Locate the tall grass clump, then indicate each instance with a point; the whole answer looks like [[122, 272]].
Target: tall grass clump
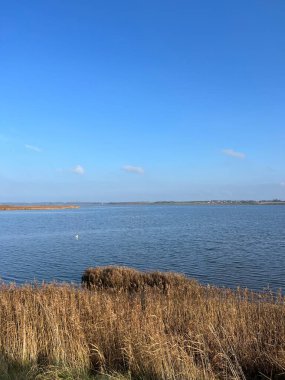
[[142, 326], [130, 280]]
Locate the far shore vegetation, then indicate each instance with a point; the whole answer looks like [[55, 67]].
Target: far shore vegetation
[[36, 207], [125, 324], [62, 206]]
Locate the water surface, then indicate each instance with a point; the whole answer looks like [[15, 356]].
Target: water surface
[[222, 245]]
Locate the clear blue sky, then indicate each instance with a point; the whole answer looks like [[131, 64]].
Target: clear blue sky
[[142, 100]]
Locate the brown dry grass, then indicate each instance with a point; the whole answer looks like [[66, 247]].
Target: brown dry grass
[[35, 207], [187, 332], [131, 280]]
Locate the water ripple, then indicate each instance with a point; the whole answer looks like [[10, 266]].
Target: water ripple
[[222, 245]]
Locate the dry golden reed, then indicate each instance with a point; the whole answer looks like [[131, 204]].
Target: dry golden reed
[[130, 280], [146, 326]]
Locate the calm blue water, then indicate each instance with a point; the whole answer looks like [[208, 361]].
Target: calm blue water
[[223, 245]]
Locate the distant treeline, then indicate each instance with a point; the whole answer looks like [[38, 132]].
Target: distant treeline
[[211, 202]]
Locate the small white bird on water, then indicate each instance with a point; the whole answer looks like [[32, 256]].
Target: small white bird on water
[[77, 237]]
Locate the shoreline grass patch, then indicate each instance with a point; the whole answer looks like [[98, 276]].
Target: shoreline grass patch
[[155, 329]]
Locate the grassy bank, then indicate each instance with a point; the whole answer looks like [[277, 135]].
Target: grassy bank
[[35, 207], [163, 327]]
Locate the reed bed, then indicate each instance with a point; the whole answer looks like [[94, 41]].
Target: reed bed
[[172, 328]]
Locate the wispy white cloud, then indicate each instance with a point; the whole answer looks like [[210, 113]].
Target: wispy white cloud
[[133, 169], [33, 148], [234, 153], [78, 169]]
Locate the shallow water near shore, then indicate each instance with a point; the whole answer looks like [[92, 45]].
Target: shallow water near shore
[[222, 245]]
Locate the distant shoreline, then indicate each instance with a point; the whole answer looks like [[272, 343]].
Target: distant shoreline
[[187, 203], [36, 207], [58, 206]]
